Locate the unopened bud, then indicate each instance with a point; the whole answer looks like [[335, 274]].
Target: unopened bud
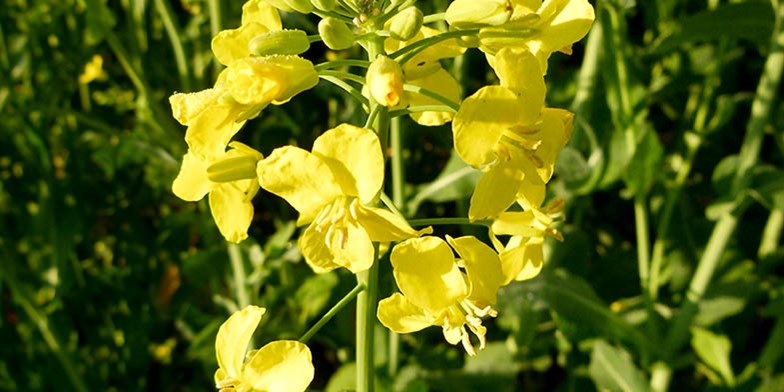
[[279, 42], [324, 5], [465, 14], [406, 24], [335, 34], [385, 81]]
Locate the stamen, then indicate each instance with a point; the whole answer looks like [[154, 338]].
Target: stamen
[[467, 343], [353, 208]]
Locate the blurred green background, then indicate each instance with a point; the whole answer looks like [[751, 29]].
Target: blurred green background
[[109, 282]]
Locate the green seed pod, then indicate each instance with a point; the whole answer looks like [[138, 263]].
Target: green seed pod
[[279, 42], [465, 14], [335, 34], [233, 168], [301, 6], [406, 24], [324, 5]]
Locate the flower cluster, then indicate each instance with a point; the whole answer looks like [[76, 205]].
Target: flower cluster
[[504, 130]]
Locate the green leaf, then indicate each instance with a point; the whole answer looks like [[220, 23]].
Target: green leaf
[[456, 181], [314, 294], [100, 20], [714, 350], [748, 20], [645, 164], [612, 368]]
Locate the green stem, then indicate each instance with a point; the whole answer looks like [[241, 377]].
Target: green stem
[[332, 312], [215, 28], [454, 106], [238, 274], [346, 87], [749, 154], [433, 18], [420, 109], [391, 205], [412, 50], [174, 37], [772, 233], [398, 170], [341, 63], [366, 317], [643, 244]]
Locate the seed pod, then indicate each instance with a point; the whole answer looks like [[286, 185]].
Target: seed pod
[[335, 34], [279, 42], [465, 14], [406, 24], [385, 81]]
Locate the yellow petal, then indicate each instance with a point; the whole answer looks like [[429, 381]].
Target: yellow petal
[[483, 268], [280, 366], [520, 223], [400, 315], [354, 156], [566, 22], [442, 83], [522, 259], [233, 338], [232, 210], [466, 14], [555, 132], [519, 71], [426, 273], [495, 191], [480, 122], [384, 226], [192, 183], [351, 246], [186, 107], [531, 193], [209, 133], [303, 179], [259, 11], [232, 45], [312, 244], [276, 79]]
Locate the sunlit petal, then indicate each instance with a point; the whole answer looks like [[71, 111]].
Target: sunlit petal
[[400, 315], [192, 183], [232, 210], [280, 366], [483, 268], [233, 338]]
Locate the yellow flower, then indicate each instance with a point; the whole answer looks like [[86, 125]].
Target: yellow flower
[[436, 292], [522, 258], [93, 70], [424, 70], [279, 366], [331, 188], [229, 179], [258, 17], [506, 131]]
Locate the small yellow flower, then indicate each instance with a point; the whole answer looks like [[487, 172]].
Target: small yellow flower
[[331, 188], [258, 17], [229, 179], [522, 257], [93, 70], [279, 366], [436, 292]]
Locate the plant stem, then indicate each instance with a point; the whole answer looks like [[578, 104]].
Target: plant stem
[[215, 28], [643, 242], [238, 274], [749, 154], [448, 221], [332, 312], [174, 37], [366, 317], [772, 233]]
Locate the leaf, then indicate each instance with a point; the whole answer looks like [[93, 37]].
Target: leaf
[[313, 295], [713, 310], [645, 164], [714, 350], [456, 181], [612, 368], [748, 20], [100, 20]]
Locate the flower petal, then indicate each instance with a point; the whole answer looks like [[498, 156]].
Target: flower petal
[[567, 21], [355, 158], [400, 315], [209, 133], [483, 268], [303, 179], [555, 131], [232, 45], [426, 273], [516, 223], [313, 246], [519, 71], [351, 246], [188, 106], [481, 120], [384, 226], [232, 210], [442, 83], [495, 191], [280, 366], [522, 259], [192, 183], [261, 12], [233, 338]]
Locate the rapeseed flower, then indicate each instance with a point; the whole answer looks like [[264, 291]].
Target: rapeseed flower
[[333, 187], [279, 366], [436, 292]]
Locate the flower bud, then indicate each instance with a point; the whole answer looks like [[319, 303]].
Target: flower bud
[[465, 14], [335, 34], [324, 5], [279, 42], [385, 81], [406, 24]]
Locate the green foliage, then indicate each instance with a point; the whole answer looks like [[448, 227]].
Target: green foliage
[[109, 282]]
